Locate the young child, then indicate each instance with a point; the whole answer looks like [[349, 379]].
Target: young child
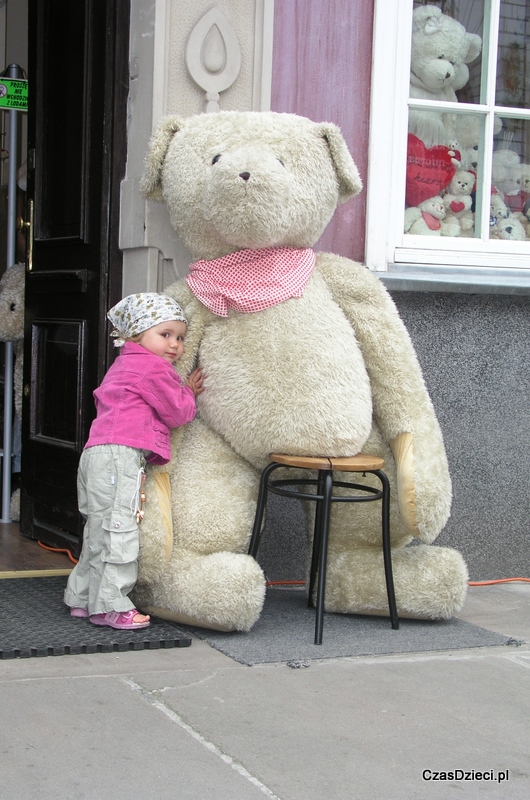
[[140, 399]]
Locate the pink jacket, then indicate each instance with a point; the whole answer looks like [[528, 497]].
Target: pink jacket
[[140, 398]]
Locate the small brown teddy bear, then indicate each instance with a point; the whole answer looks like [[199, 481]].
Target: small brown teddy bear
[[12, 330], [12, 321]]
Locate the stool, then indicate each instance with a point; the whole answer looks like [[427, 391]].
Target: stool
[[324, 496]]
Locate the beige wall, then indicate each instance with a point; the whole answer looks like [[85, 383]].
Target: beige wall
[[169, 43]]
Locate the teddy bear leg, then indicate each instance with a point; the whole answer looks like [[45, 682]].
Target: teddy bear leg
[[208, 579], [430, 582]]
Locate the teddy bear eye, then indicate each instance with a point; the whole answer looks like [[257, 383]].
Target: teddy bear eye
[[281, 162], [216, 158], [12, 306]]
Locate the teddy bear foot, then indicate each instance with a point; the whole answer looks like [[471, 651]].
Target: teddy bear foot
[[430, 582], [221, 591]]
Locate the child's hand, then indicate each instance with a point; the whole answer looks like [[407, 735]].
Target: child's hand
[[195, 381]]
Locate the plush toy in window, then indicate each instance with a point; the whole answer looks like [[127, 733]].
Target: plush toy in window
[[510, 229], [524, 218], [429, 219], [304, 353], [457, 201], [506, 174], [518, 195], [498, 208], [441, 51]]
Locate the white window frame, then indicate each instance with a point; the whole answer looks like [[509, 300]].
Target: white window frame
[[388, 249]]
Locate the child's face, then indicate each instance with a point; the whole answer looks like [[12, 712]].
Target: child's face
[[165, 340]]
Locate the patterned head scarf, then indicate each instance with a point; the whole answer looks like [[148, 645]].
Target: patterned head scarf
[[137, 313]]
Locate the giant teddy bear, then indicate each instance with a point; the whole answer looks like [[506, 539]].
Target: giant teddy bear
[[303, 354]]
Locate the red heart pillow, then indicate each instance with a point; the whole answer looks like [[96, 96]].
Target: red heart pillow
[[456, 206], [429, 170]]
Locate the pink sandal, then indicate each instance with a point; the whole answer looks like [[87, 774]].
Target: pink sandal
[[81, 613], [121, 620]]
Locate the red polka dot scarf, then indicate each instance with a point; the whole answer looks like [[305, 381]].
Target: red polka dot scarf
[[251, 280]]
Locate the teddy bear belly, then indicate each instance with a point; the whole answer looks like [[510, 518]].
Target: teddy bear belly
[[288, 379]]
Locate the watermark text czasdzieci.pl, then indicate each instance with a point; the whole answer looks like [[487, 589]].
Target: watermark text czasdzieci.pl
[[496, 776]]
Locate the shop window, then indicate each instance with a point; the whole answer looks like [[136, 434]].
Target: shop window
[[449, 177]]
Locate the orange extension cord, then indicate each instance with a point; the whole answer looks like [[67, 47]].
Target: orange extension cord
[[500, 580], [297, 583], [469, 583], [58, 550]]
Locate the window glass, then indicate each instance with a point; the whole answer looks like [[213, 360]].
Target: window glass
[[511, 147], [468, 147]]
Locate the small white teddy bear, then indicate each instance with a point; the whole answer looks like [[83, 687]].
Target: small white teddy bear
[[428, 219], [498, 208], [510, 228], [457, 201], [506, 171]]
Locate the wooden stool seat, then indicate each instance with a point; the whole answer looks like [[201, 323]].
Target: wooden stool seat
[[360, 463], [323, 497]]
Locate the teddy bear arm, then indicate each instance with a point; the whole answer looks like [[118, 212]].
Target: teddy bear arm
[[412, 215], [197, 316], [389, 356], [401, 405]]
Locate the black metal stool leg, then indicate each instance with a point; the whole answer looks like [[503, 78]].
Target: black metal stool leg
[[316, 538], [260, 509], [387, 554], [323, 554]]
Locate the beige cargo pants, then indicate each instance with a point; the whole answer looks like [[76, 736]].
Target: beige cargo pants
[[108, 481]]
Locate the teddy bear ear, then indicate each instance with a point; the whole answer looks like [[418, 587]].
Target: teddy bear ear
[[350, 182], [474, 43], [151, 181], [426, 18]]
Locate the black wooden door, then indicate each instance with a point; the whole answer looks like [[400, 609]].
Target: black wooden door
[[76, 155]]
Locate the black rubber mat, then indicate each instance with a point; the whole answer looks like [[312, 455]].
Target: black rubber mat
[[35, 622]]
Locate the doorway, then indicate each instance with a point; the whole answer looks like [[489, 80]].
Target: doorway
[[76, 154]]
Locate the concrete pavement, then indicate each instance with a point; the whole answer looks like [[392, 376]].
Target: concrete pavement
[[191, 723]]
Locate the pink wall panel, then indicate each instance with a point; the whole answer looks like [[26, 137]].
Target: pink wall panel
[[321, 70]]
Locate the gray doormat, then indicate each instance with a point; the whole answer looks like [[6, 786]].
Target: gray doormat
[[35, 622], [286, 631]]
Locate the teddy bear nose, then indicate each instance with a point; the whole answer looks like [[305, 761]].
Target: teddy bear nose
[[244, 175]]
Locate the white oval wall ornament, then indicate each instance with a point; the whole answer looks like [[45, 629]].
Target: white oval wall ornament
[[213, 56]]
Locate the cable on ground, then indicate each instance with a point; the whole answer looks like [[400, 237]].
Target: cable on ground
[[58, 550]]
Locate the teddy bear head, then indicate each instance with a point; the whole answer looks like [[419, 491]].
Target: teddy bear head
[[524, 183], [498, 208], [12, 304], [234, 180], [506, 171], [462, 183], [509, 228], [434, 206], [441, 50]]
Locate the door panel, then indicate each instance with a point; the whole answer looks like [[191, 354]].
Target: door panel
[[57, 352], [76, 159]]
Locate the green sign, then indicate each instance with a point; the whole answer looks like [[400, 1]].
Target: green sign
[[13, 94]]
